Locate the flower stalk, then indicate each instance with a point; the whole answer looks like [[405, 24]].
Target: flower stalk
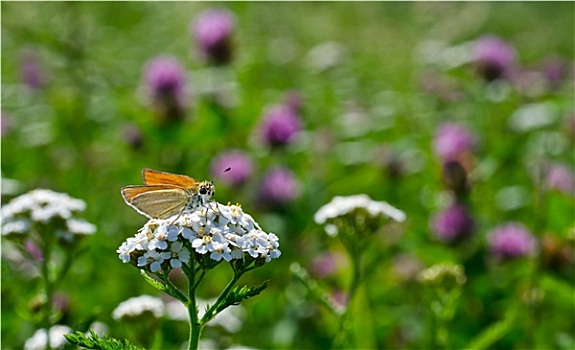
[[353, 220]]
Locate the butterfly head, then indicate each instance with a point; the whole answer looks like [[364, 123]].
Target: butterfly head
[[206, 189]]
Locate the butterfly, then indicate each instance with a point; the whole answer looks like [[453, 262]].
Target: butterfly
[[164, 195]]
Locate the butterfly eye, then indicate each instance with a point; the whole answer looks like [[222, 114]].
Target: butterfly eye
[[203, 190]]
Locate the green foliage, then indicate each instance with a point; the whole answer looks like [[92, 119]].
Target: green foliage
[[94, 341], [158, 285], [238, 294], [488, 337]]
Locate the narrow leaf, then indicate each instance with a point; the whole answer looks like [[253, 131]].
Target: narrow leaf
[[156, 284], [493, 333]]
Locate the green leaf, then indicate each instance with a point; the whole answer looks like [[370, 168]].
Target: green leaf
[[93, 341], [493, 333], [158, 285], [237, 295], [561, 292]]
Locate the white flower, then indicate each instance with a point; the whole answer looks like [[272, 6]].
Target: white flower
[[159, 240], [126, 248], [44, 206], [256, 243], [39, 340], [224, 232], [186, 233], [211, 239], [154, 259], [80, 227], [173, 232], [273, 251], [341, 206], [178, 255], [17, 226], [136, 306], [221, 250]]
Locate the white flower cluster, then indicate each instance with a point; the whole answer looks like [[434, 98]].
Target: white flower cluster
[[341, 206], [136, 306], [43, 206], [222, 231], [39, 341]]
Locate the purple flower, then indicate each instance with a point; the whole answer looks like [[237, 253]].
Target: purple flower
[[453, 140], [166, 82], [279, 187], [280, 125], [212, 30], [453, 224], [240, 163], [30, 70], [323, 265], [511, 240], [560, 177], [493, 57]]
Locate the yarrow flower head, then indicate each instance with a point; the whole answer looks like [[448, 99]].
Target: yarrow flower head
[[212, 30], [45, 207], [511, 240], [166, 84], [452, 224], [241, 167], [139, 306], [208, 234], [352, 206], [494, 58]]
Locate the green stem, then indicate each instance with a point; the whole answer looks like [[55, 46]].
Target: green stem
[[195, 325], [177, 293], [49, 288], [344, 320]]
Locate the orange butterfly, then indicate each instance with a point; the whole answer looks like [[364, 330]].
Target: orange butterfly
[[164, 195]]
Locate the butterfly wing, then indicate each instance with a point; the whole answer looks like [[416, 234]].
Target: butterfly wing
[[155, 177], [156, 201]]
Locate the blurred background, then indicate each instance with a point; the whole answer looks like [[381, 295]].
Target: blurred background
[[428, 106]]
